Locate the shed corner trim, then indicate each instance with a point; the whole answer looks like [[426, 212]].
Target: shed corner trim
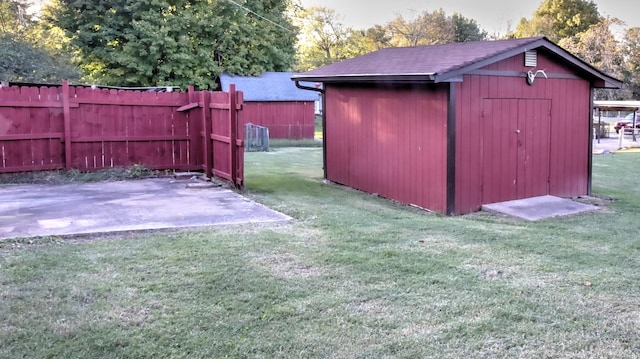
[[451, 150]]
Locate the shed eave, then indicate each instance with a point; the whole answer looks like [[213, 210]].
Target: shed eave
[[609, 83], [372, 78], [617, 105]]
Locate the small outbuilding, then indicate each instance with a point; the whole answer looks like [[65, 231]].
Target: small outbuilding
[[452, 127], [273, 101]]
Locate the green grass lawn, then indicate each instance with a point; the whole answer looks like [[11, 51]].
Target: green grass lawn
[[353, 276]]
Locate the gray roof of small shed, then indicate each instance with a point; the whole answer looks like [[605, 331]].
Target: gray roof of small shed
[[270, 86], [443, 63]]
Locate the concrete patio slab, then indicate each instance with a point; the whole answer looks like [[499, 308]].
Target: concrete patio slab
[[159, 203], [537, 208]]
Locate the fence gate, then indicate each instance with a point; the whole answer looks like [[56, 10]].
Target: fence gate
[[223, 151]]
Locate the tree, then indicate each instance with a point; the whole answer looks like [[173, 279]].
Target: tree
[[466, 29], [599, 47], [428, 28], [631, 53], [23, 62], [378, 37], [558, 19], [13, 16], [176, 42], [30, 52], [323, 38]]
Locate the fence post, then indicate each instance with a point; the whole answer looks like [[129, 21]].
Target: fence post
[[233, 133], [620, 137], [206, 133], [66, 111], [200, 97]]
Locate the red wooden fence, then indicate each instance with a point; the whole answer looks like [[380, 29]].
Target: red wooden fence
[[43, 128]]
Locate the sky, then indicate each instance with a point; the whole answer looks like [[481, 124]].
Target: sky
[[493, 16]]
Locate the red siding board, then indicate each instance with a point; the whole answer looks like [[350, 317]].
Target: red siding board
[[569, 139], [390, 141]]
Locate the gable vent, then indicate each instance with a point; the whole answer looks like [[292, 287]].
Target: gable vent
[[530, 58]]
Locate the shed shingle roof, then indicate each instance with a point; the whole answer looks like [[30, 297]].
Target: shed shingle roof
[[439, 63], [270, 86]]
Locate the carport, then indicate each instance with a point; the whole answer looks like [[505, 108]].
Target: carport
[[627, 106]]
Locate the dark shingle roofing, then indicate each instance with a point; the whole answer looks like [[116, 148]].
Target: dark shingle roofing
[[439, 63], [270, 86]]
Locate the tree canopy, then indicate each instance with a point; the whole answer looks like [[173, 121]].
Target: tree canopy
[[427, 28], [465, 29], [578, 27], [13, 16], [181, 42], [599, 47], [631, 54], [176, 42], [558, 19], [324, 39], [30, 52], [23, 61]]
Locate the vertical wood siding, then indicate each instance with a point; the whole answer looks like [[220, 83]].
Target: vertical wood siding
[[285, 119], [515, 149], [567, 149], [390, 141]]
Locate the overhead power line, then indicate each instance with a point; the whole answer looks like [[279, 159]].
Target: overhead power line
[[260, 16]]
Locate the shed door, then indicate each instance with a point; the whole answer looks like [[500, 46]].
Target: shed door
[[515, 149]]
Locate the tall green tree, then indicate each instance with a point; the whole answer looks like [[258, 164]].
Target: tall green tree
[[599, 47], [631, 53], [31, 52], [176, 42], [14, 17], [379, 37], [466, 29], [430, 28], [324, 39], [558, 19], [23, 61]]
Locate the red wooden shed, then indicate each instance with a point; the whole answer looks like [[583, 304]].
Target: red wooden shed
[[452, 127], [273, 101]]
